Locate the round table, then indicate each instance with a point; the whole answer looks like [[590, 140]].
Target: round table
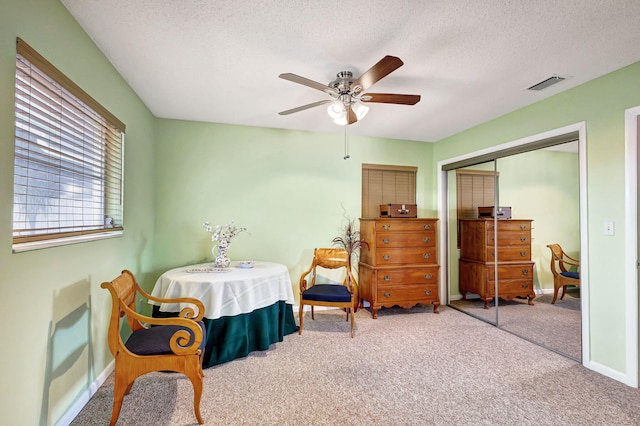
[[246, 309]]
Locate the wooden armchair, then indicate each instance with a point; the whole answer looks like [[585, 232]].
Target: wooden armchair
[[156, 344], [561, 262], [336, 295]]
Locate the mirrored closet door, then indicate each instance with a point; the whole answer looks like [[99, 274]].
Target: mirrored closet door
[[501, 257], [470, 188]]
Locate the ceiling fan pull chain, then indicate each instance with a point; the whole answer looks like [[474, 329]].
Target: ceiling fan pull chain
[[346, 142]]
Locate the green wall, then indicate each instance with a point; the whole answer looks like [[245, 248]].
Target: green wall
[[292, 190], [601, 103], [544, 186], [53, 349]]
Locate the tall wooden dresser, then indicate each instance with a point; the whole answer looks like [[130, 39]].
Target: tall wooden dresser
[[477, 259], [400, 266]]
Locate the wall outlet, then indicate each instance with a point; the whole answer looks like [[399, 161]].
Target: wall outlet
[[609, 228]]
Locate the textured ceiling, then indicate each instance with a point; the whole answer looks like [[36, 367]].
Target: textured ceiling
[[219, 60]]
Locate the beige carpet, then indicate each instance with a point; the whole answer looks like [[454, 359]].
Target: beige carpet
[[404, 368]]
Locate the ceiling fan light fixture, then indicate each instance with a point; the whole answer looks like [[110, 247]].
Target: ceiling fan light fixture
[[360, 110], [336, 110]]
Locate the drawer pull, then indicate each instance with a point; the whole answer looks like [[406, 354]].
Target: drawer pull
[[525, 285], [427, 226], [386, 227], [525, 272], [386, 257], [387, 278], [426, 240], [427, 292], [523, 239], [386, 241], [387, 294], [428, 276], [523, 227], [426, 255], [523, 253]]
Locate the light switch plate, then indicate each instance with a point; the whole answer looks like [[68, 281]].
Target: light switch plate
[[609, 227]]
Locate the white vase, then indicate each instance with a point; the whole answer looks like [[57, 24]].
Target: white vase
[[221, 259]]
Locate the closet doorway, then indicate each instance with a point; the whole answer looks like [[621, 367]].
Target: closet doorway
[[537, 183]]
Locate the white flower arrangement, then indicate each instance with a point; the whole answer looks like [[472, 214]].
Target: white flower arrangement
[[223, 234]]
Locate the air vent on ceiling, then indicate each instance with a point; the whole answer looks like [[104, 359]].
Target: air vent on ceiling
[[546, 83]]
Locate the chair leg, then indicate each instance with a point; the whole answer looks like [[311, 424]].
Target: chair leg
[[312, 315], [201, 358], [196, 382], [555, 294], [352, 315], [300, 318], [564, 291], [120, 389]]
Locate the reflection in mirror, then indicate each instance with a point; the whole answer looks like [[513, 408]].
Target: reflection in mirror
[[470, 188], [541, 187]]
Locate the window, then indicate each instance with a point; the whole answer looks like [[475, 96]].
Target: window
[[68, 159], [474, 188], [383, 184]]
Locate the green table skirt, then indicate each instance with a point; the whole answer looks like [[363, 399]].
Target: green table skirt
[[234, 337]]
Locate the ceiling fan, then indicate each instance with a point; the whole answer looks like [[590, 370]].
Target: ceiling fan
[[347, 93]]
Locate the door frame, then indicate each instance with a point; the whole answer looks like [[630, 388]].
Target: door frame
[[632, 241], [443, 214]]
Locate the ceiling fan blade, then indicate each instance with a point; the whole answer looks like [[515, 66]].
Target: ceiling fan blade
[[390, 98], [351, 116], [309, 83], [384, 67], [303, 107]]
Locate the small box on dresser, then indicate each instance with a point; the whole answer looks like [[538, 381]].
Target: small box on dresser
[[399, 210], [400, 265]]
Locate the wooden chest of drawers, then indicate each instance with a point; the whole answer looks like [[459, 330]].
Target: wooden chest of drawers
[[478, 256], [400, 266]]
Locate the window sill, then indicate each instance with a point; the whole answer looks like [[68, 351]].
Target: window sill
[[37, 245]]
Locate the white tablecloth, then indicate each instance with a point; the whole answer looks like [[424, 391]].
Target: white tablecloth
[[240, 291]]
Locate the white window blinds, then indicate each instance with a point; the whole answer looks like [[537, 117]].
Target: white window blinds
[[68, 156]]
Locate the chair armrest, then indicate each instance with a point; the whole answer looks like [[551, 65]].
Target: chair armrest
[[180, 338], [303, 285], [303, 280], [571, 258], [563, 263], [185, 312], [351, 283]]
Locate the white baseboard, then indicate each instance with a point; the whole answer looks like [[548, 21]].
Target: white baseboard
[[84, 397], [609, 372]]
